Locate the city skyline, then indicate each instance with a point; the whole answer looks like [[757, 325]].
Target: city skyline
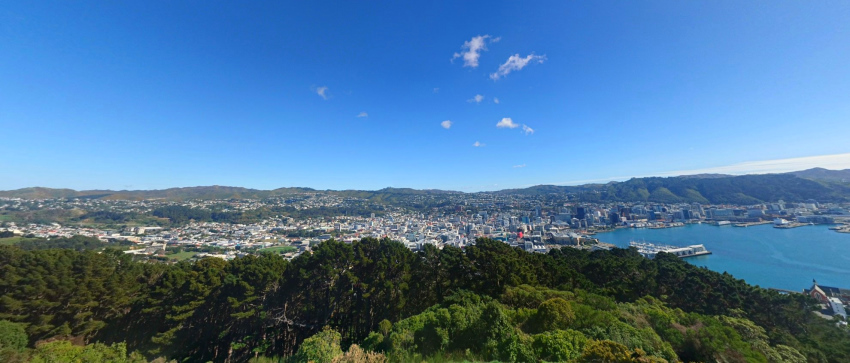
[[466, 97]]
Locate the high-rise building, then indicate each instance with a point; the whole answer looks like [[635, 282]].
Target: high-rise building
[[581, 212]]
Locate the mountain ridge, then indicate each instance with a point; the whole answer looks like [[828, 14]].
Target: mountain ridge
[[816, 183]]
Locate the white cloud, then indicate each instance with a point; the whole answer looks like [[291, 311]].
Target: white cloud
[[515, 63], [496, 100], [478, 144], [472, 49], [519, 166], [446, 124], [507, 122], [510, 124], [363, 114], [476, 99], [322, 91]]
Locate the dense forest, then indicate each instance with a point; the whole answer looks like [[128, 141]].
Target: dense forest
[[375, 300], [79, 243]]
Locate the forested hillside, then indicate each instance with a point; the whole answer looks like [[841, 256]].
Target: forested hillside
[[741, 190], [379, 301]]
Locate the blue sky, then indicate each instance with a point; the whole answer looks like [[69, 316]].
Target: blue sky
[[353, 95]]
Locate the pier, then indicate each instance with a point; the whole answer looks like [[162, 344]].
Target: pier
[[748, 224]]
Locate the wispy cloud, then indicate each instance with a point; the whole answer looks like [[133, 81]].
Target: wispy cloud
[[436, 89], [476, 99], [527, 130], [447, 124], [478, 144], [519, 166], [323, 92], [515, 63], [833, 161], [507, 123], [496, 100], [471, 50], [363, 114]]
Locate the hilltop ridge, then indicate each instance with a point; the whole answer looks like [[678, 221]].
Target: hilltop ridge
[[817, 183]]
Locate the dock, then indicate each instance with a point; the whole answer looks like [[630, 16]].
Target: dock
[[844, 228]]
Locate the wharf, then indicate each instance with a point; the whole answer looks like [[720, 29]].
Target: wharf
[[667, 225], [649, 250], [748, 224], [844, 228]]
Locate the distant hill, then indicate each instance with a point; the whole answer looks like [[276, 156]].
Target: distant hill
[[819, 184], [841, 176], [40, 193], [745, 189], [206, 192], [210, 192], [705, 176]]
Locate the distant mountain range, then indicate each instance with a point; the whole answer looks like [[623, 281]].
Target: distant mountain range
[[209, 192], [818, 184]]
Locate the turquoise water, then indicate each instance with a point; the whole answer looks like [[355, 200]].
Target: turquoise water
[[761, 255]]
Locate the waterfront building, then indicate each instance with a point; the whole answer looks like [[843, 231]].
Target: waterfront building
[[833, 297], [780, 222], [823, 293], [755, 213]]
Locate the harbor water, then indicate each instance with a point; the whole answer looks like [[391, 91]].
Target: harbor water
[[761, 255]]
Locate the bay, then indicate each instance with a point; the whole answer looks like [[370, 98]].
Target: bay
[[761, 255]]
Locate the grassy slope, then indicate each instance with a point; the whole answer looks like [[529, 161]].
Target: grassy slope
[[280, 249], [14, 240], [180, 256]]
